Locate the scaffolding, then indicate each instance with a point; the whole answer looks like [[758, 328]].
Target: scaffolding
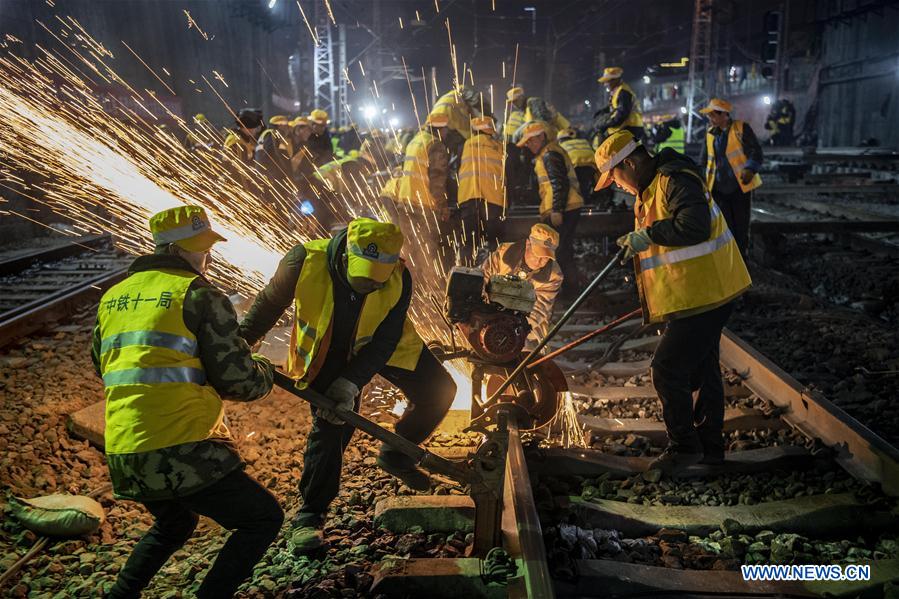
[[330, 77], [701, 81]]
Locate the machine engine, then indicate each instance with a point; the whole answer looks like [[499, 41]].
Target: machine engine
[[491, 316]]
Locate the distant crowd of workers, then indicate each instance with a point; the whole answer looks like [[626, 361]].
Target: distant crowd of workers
[[169, 347]]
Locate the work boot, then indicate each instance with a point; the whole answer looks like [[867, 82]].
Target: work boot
[[673, 461], [305, 533], [712, 458], [402, 467]]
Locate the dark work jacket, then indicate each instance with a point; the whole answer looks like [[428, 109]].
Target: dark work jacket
[[690, 222], [278, 295], [557, 171]]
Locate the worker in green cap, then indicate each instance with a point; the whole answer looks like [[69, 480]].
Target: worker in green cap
[[350, 297], [167, 348]]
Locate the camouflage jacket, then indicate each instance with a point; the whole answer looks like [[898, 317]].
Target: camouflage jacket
[[231, 369]]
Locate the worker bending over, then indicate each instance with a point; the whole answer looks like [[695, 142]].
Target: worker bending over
[[532, 259], [733, 157], [688, 271], [350, 296], [557, 184], [166, 345], [481, 195]]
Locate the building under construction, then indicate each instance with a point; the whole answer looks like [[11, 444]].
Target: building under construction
[[449, 298]]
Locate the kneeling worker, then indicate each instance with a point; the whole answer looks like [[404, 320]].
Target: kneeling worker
[[533, 259], [688, 272], [350, 295], [166, 345]]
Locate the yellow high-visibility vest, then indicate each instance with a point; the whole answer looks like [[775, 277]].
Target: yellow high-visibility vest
[[153, 379], [454, 107], [675, 141], [414, 182], [481, 170], [635, 118], [735, 156], [680, 279], [545, 188], [514, 120], [314, 312], [331, 174], [579, 151]]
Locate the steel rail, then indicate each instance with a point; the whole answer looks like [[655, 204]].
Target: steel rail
[[17, 264], [55, 306], [521, 525], [860, 451]]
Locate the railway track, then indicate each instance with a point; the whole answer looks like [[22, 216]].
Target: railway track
[[42, 287], [598, 509]]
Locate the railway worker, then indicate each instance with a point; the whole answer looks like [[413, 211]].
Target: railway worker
[[275, 149], [557, 184], [319, 144], [517, 172], [733, 157], [623, 111], [532, 259], [481, 198], [240, 149], [688, 272], [581, 153], [350, 295], [166, 345]]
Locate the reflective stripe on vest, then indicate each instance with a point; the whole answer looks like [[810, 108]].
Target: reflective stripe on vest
[[635, 118], [513, 122], [735, 157], [481, 170], [579, 151], [675, 141], [314, 311], [544, 187], [682, 279], [414, 181], [154, 382]]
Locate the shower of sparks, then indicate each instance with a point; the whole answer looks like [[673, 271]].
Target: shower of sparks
[[171, 91], [108, 160], [192, 23], [330, 12], [308, 26]]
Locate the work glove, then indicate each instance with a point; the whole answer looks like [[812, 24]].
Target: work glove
[[555, 219], [342, 392], [635, 242], [746, 176]]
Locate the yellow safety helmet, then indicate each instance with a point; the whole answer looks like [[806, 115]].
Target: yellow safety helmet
[[373, 249], [544, 240], [319, 116], [185, 226], [616, 147], [610, 73], [566, 133], [300, 121], [483, 123], [532, 129], [514, 93], [437, 119], [279, 119], [717, 104]]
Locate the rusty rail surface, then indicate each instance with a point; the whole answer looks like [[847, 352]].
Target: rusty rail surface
[[521, 526], [863, 453]]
